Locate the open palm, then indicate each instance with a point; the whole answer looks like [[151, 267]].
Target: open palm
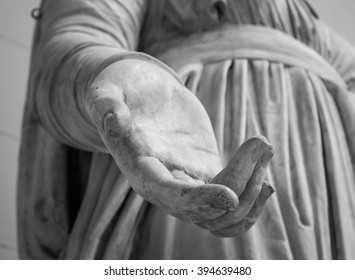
[[162, 140]]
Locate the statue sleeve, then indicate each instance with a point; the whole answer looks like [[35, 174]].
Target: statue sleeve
[[74, 40]]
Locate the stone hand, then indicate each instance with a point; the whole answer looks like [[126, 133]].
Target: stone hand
[[245, 175], [161, 139]]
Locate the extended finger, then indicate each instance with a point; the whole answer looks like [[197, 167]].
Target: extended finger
[[254, 185], [186, 200], [237, 173], [247, 198], [205, 202], [245, 224], [108, 109]]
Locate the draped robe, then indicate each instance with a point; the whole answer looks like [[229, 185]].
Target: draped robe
[[271, 68]]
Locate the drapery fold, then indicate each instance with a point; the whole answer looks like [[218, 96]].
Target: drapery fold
[[309, 120]]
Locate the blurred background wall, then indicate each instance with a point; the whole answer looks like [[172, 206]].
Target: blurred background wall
[[16, 27]]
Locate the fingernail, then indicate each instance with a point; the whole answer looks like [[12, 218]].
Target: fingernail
[[222, 202], [258, 151], [269, 190], [266, 157], [116, 125], [111, 124]]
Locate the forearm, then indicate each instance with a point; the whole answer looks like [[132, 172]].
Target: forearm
[[75, 43], [60, 95]]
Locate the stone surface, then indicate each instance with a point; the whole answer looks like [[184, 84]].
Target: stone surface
[[169, 141]]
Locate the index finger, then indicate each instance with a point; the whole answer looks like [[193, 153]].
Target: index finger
[[188, 201], [241, 167]]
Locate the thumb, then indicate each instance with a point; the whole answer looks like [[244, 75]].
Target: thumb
[[108, 110]]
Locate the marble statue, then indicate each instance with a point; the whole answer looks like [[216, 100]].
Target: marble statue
[[147, 131]]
